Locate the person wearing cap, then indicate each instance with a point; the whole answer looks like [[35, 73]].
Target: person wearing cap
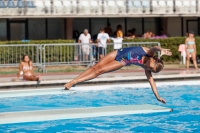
[[191, 49], [85, 39]]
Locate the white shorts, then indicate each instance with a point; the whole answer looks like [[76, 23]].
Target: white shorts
[[86, 50]]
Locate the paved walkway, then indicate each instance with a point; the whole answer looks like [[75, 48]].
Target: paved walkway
[[118, 73], [50, 79]]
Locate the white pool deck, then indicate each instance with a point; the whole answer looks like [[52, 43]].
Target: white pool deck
[[73, 113], [118, 76]]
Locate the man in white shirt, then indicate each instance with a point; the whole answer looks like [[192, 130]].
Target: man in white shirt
[[102, 40], [85, 39]]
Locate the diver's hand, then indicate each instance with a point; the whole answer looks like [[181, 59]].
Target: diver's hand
[[165, 52], [161, 100]]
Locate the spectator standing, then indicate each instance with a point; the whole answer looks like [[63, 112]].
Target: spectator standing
[[85, 39], [76, 35], [117, 43], [191, 50], [119, 32], [108, 29], [119, 37], [102, 40]]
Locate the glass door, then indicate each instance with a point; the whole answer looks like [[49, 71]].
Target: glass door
[[192, 25], [17, 31]]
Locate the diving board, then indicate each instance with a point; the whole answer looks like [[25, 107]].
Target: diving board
[[33, 92], [73, 113]]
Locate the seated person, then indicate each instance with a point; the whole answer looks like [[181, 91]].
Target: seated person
[[26, 69], [130, 35], [147, 34], [152, 34]]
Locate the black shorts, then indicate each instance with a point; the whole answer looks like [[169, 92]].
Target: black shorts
[[101, 51]]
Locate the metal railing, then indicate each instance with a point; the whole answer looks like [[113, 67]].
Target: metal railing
[[65, 54], [11, 55], [73, 54]]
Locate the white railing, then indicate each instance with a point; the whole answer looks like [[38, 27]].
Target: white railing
[[98, 7]]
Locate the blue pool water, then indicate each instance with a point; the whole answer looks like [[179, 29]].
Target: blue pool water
[[185, 100]]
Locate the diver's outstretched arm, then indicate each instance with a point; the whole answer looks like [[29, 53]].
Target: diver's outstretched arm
[[153, 86], [158, 48]]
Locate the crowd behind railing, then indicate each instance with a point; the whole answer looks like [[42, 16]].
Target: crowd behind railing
[[106, 35]]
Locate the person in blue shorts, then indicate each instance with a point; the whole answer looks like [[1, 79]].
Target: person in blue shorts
[[140, 56]]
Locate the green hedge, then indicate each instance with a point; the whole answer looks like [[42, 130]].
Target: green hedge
[[37, 42], [68, 52]]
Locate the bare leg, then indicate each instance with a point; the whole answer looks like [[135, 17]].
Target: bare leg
[[96, 71], [187, 59], [83, 57], [32, 78], [86, 57], [108, 58], [106, 64], [101, 56], [194, 60]]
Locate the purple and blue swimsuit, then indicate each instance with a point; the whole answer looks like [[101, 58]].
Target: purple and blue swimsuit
[[131, 55]]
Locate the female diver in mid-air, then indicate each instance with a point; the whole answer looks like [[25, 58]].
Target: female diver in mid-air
[[140, 56]]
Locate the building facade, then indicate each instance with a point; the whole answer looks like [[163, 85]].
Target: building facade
[[57, 19]]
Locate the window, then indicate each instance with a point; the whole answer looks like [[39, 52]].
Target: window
[[135, 23], [55, 28], [3, 31], [37, 29]]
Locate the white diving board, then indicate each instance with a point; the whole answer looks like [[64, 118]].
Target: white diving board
[[73, 113]]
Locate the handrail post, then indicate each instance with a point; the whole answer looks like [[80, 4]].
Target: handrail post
[[44, 59]]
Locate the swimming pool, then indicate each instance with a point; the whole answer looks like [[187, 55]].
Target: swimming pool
[[184, 99]]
